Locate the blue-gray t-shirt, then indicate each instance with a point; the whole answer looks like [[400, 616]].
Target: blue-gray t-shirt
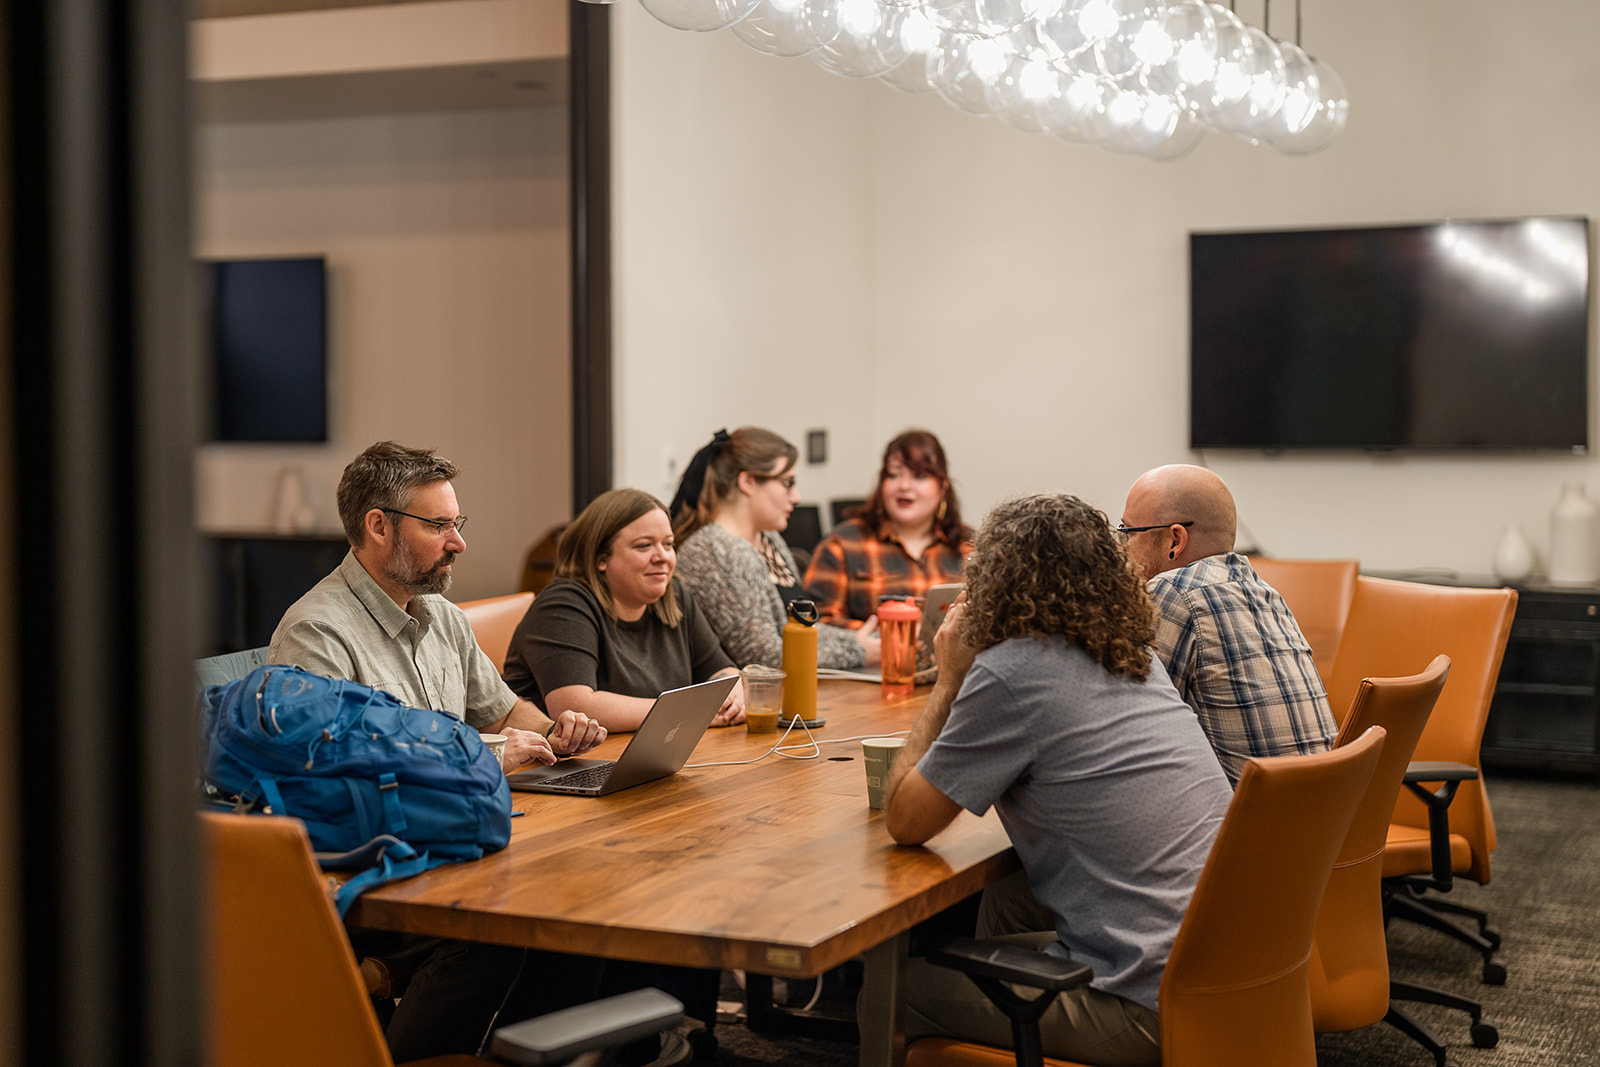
[[1107, 787]]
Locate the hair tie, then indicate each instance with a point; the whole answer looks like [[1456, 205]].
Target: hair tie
[[687, 498]]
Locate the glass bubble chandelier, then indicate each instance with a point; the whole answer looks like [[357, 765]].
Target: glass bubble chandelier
[[1141, 77]]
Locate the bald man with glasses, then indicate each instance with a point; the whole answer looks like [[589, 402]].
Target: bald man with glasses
[[1228, 640]]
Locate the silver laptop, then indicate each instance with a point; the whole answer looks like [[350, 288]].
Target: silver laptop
[[661, 746]]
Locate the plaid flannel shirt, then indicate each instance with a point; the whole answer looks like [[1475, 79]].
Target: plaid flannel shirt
[[851, 569], [1238, 658]]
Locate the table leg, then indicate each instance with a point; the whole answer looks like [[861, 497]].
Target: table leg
[[882, 1009]]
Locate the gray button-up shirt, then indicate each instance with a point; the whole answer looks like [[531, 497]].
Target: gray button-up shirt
[[348, 627]]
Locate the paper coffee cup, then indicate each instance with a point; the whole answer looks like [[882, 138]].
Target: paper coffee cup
[[496, 744], [879, 754]]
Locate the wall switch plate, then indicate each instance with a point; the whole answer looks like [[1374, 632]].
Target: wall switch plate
[[816, 446]]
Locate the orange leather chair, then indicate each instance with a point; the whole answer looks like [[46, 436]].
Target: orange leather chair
[[494, 620], [1350, 987], [1394, 628], [281, 981], [1235, 992], [1319, 592]]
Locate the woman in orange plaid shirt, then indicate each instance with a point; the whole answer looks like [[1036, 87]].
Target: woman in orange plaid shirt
[[907, 538]]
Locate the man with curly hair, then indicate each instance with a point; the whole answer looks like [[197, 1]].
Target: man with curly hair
[[1050, 708], [1228, 640]]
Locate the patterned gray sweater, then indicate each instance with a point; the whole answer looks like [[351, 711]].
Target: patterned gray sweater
[[734, 591]]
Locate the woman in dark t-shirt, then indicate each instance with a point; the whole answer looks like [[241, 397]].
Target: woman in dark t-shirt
[[615, 628]]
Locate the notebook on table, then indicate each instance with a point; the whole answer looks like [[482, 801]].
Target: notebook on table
[[659, 747]]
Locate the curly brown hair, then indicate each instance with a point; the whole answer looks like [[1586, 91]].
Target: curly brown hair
[[1051, 564]]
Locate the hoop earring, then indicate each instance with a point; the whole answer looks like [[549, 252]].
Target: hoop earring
[[944, 506]]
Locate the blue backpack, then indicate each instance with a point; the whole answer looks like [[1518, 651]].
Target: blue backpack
[[381, 785]]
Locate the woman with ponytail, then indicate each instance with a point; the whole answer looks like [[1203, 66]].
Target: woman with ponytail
[[735, 497]]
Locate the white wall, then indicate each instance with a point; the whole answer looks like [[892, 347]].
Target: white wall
[[742, 193], [446, 240], [1027, 299]]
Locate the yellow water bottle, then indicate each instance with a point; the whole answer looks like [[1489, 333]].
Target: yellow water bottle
[[800, 663]]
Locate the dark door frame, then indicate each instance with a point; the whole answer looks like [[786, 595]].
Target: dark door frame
[[589, 64], [102, 415]]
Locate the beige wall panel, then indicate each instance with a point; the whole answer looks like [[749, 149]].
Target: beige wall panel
[[446, 241]]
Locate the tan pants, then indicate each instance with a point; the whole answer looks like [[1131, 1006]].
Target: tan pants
[[1084, 1024]]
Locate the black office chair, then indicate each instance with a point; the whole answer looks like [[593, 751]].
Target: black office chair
[[804, 529], [839, 510]]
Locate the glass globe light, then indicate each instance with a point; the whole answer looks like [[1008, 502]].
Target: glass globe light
[[1300, 95], [982, 18], [788, 27], [868, 42], [1185, 135], [1140, 41], [1268, 84], [1230, 78], [1072, 26], [1328, 118], [1028, 81], [1066, 115], [1191, 63], [700, 15], [920, 39], [1158, 118], [963, 70]]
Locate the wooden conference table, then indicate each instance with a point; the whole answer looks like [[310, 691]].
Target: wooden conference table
[[776, 867]]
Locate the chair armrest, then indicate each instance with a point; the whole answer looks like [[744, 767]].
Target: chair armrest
[[561, 1035], [1450, 775], [1010, 963], [1439, 771]]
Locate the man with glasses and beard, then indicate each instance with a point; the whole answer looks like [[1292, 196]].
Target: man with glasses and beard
[[1226, 637], [381, 619]]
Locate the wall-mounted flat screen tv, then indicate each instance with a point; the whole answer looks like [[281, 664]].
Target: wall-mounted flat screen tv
[[268, 340], [1449, 336]]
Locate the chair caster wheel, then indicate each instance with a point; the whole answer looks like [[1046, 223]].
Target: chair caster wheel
[[1484, 1035], [1494, 971], [1490, 933]]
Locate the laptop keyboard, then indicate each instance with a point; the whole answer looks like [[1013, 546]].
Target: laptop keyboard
[[584, 779]]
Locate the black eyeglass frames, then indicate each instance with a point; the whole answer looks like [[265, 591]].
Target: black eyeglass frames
[[440, 526], [1123, 531]]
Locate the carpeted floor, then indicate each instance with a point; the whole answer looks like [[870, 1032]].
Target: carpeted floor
[[1545, 898]]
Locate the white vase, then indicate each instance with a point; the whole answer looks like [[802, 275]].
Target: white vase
[[1513, 556], [1573, 556], [291, 501]]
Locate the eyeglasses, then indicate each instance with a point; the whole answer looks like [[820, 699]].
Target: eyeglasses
[[786, 480], [440, 526], [1123, 531]]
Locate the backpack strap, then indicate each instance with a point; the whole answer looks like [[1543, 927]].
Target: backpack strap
[[269, 793], [394, 816], [386, 870]]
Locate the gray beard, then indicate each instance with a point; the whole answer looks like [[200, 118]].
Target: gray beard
[[408, 574]]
